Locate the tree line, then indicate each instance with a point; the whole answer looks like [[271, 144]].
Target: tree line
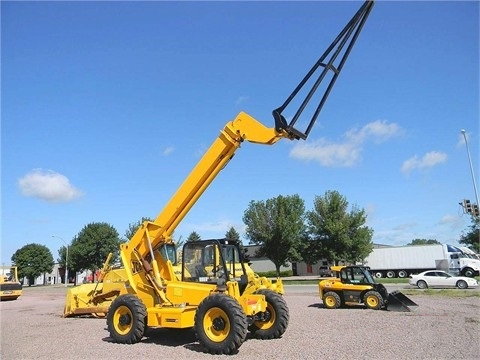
[[281, 226]]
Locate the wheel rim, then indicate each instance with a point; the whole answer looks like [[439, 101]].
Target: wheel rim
[[122, 320], [330, 301], [422, 285], [270, 319], [372, 301], [216, 324], [462, 285]]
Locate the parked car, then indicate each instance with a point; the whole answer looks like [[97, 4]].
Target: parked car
[[441, 279], [324, 271]]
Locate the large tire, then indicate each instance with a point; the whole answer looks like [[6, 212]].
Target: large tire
[[331, 300], [468, 272], [220, 324], [373, 300], [126, 319], [274, 320], [402, 274]]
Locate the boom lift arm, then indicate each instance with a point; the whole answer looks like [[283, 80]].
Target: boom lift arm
[[245, 128]]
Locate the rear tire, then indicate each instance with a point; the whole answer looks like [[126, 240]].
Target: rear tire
[[462, 284], [220, 324], [378, 274], [422, 284], [402, 274], [275, 319], [390, 274], [126, 319], [373, 300], [331, 300]]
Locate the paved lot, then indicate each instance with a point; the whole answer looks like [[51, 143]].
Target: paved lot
[[442, 328]]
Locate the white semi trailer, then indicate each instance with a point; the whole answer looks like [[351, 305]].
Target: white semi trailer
[[401, 261]]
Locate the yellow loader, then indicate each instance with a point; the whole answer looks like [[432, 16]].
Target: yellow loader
[[10, 287]]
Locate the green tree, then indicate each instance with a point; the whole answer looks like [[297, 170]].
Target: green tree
[[133, 227], [32, 261], [91, 246], [471, 238], [334, 232], [424, 242], [276, 225], [194, 236], [232, 234]]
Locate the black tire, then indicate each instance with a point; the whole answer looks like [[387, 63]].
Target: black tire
[[126, 319], [331, 300], [422, 284], [390, 274], [220, 324], [274, 320], [373, 300], [402, 274], [378, 274], [468, 272], [462, 284]]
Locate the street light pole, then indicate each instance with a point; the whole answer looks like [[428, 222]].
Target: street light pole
[[66, 259], [471, 166]]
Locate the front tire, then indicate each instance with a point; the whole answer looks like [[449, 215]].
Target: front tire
[[220, 324], [274, 320], [468, 272], [461, 284], [126, 319], [373, 300], [331, 300], [422, 284]]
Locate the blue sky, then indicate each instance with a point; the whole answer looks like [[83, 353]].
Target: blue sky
[[107, 106]]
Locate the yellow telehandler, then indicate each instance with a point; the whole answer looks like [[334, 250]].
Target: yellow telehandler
[[355, 285], [212, 295]]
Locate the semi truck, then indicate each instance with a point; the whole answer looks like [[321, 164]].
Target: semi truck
[[402, 261]]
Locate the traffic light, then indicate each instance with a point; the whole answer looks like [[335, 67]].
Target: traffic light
[[467, 206], [475, 210]]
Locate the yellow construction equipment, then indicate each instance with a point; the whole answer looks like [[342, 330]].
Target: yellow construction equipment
[[212, 290], [355, 285], [10, 287]]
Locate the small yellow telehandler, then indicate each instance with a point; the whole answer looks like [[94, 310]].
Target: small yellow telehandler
[[355, 285]]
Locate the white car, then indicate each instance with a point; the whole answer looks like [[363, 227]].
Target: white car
[[436, 278]]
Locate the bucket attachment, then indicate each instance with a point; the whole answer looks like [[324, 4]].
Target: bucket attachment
[[399, 302], [88, 299]]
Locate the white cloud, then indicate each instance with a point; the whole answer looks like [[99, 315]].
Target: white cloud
[[168, 151], [241, 99], [48, 185], [428, 160], [347, 152]]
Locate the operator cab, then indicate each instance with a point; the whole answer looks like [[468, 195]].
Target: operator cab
[[356, 275], [213, 261]]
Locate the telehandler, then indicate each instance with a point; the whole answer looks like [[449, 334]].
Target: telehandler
[[355, 285], [212, 295]]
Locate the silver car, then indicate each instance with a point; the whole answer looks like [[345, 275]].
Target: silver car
[[441, 279]]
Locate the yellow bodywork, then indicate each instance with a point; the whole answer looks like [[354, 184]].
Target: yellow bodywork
[[10, 287]]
